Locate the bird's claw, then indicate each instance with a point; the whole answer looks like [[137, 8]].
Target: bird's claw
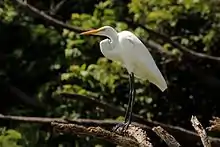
[[121, 127]]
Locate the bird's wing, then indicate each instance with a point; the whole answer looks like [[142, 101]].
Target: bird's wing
[[138, 59]]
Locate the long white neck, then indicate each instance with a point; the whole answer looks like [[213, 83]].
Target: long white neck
[[112, 35], [109, 46]]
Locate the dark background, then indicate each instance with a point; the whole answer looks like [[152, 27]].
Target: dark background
[[42, 60]]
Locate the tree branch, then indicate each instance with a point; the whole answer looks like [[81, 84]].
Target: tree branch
[[84, 122], [215, 124], [61, 24], [56, 8], [125, 141], [83, 127], [93, 131], [201, 131], [155, 46], [165, 136], [185, 137], [173, 43], [93, 101], [135, 132], [47, 17], [24, 97], [189, 136]]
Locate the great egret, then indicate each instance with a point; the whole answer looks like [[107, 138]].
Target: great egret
[[132, 53]]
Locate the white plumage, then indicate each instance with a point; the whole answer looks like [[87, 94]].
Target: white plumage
[[138, 60], [126, 48]]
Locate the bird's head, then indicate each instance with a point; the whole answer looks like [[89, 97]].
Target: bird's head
[[103, 31]]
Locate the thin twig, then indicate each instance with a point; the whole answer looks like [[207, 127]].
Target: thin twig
[[93, 101], [57, 7], [97, 132], [201, 131], [173, 43], [47, 17], [24, 97], [215, 124], [166, 137], [84, 122]]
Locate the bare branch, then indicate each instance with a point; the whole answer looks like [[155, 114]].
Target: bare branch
[[84, 122], [178, 132], [173, 43], [215, 124], [99, 133], [41, 120], [201, 131], [56, 8], [153, 45], [137, 133], [166, 137], [48, 18], [181, 134], [24, 97], [93, 101]]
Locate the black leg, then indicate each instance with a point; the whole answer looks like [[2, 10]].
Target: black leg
[[133, 93], [130, 98], [128, 114]]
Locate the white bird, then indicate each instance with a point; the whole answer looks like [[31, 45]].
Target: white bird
[[126, 48]]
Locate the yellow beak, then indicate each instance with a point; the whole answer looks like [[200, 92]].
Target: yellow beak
[[91, 32]]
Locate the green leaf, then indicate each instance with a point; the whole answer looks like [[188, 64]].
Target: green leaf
[[13, 134], [159, 15]]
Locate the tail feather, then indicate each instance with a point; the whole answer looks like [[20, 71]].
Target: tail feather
[[162, 85], [159, 81]]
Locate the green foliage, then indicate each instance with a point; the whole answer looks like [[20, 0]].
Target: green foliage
[[7, 12], [44, 61], [105, 76], [9, 138]]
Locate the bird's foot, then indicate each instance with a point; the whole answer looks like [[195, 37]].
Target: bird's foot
[[121, 127]]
